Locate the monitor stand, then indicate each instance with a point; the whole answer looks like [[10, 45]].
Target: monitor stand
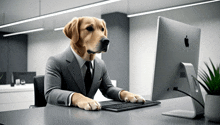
[[198, 110]]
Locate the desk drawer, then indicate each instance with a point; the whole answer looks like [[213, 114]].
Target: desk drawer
[[16, 97]]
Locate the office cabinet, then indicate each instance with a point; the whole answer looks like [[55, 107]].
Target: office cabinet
[[16, 98], [3, 55], [13, 54]]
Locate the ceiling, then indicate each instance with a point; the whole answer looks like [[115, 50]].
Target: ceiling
[[17, 10]]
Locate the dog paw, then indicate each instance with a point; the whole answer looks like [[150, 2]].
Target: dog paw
[[130, 97]]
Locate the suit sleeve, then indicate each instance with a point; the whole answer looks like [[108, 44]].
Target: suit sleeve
[[52, 84], [106, 87]]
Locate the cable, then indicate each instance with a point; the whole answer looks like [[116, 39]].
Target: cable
[[176, 89]]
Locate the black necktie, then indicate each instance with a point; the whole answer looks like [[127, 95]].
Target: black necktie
[[88, 76]]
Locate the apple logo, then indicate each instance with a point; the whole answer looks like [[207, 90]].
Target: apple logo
[[186, 40]]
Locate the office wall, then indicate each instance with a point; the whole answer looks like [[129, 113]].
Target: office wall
[[143, 41], [42, 45]]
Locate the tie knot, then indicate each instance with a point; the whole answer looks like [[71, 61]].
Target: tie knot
[[88, 64]]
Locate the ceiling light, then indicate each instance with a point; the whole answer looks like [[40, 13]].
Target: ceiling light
[[60, 12], [23, 32], [171, 8], [57, 29]]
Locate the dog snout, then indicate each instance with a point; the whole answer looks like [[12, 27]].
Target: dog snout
[[104, 41], [104, 44]]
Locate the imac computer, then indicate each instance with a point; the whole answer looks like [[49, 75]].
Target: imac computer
[[176, 65]]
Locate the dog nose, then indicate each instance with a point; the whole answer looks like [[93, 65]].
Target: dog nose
[[104, 41], [104, 44]]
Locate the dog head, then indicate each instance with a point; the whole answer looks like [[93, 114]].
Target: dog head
[[88, 36]]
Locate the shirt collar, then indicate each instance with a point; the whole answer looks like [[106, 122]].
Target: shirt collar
[[80, 60]]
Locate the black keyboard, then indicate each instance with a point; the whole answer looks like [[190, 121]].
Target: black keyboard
[[124, 106]]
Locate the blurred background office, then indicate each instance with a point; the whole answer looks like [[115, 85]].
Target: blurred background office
[[131, 24]]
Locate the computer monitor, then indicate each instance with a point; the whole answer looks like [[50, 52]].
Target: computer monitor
[[176, 62]]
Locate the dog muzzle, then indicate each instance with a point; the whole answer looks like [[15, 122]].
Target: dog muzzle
[[103, 46]]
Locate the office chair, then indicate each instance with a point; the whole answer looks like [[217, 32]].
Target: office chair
[[39, 92]]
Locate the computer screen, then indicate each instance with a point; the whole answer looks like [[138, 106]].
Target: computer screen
[[177, 47]]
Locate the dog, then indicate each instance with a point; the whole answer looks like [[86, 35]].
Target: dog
[[64, 78], [88, 36]]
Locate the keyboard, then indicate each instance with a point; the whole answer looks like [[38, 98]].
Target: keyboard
[[124, 106]]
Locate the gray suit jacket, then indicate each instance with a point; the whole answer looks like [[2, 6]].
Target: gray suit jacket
[[63, 76]]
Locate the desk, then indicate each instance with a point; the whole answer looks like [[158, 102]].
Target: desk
[[58, 115]]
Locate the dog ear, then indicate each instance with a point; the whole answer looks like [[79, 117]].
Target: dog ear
[[71, 29], [105, 31]]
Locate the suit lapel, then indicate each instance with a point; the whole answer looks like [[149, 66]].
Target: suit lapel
[[96, 77], [75, 71]]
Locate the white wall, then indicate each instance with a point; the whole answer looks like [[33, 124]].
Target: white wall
[[41, 46], [143, 41]]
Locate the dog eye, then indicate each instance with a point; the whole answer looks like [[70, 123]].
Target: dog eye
[[90, 28], [103, 29]]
